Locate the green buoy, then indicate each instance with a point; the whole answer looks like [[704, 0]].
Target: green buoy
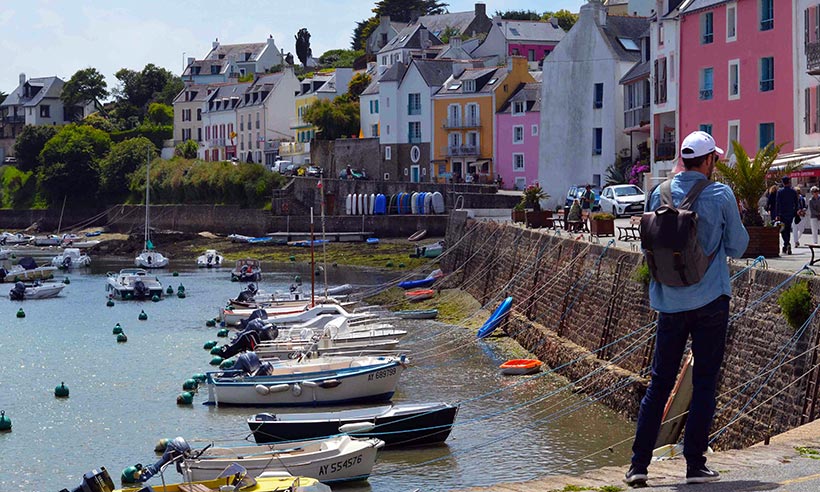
[[190, 385], [5, 422], [143, 316], [130, 474], [67, 281], [216, 361], [161, 446], [199, 377], [21, 313], [155, 298], [185, 398], [122, 338], [401, 265], [223, 332], [292, 258], [117, 329], [209, 344], [210, 322], [169, 290], [215, 350], [175, 274], [227, 364], [389, 264], [181, 294], [181, 288], [61, 391], [110, 302]]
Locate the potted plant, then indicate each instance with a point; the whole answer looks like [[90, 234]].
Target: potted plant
[[519, 212], [533, 194], [749, 178], [602, 224]]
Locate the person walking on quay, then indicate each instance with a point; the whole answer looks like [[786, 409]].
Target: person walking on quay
[[814, 212], [799, 226], [699, 309], [786, 211], [587, 199]]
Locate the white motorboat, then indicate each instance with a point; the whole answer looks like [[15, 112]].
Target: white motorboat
[[247, 270], [287, 313], [332, 460], [239, 238], [132, 283], [50, 240], [11, 239], [310, 382], [26, 270], [71, 258], [22, 292], [149, 258], [210, 259]]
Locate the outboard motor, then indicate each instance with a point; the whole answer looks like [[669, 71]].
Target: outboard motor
[[248, 294], [255, 314], [248, 363], [255, 331], [3, 273], [140, 289], [18, 292], [95, 481], [176, 448], [66, 262]]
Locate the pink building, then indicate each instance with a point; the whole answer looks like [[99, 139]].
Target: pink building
[[516, 133], [737, 72]]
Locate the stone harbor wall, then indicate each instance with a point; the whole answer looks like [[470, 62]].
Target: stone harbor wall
[[578, 307]]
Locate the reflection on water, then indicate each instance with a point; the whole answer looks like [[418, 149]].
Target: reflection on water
[[123, 395]]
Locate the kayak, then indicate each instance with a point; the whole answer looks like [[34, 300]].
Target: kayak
[[495, 319], [414, 284], [419, 294]]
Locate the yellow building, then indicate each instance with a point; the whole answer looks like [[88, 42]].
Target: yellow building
[[464, 118]]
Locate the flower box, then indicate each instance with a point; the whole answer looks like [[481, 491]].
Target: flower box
[[539, 218], [763, 241], [601, 226], [519, 216]]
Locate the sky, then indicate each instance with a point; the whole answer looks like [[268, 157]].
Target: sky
[[58, 37]]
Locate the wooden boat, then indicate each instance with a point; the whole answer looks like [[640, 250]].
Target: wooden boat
[[247, 270], [209, 259], [26, 270], [132, 283], [398, 425], [419, 294], [317, 459], [495, 319], [418, 314], [71, 258], [418, 235], [517, 367], [21, 291], [321, 381]]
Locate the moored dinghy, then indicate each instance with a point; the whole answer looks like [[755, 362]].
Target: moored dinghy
[[418, 314], [519, 367], [209, 259], [71, 258], [419, 294]]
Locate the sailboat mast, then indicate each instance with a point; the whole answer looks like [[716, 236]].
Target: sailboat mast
[[147, 193], [312, 264]]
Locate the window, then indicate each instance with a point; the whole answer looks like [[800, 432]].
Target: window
[[766, 134], [530, 55], [518, 134], [706, 76], [257, 120], [707, 34], [534, 130], [469, 85], [414, 103], [518, 162], [734, 79], [766, 15], [199, 134], [414, 132], [384, 60], [518, 107], [471, 115], [734, 136], [514, 31], [242, 120], [472, 140], [660, 81], [454, 116], [767, 74], [629, 44], [45, 111], [660, 33], [214, 69], [199, 114], [520, 183], [731, 23], [597, 140], [374, 130], [386, 102], [388, 153], [705, 127], [598, 101]]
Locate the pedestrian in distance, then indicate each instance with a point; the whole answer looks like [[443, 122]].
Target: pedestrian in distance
[[690, 290], [814, 212], [587, 199], [786, 210], [799, 225], [349, 172]]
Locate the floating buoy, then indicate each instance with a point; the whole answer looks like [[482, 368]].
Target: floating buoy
[[155, 298], [199, 377], [181, 294], [67, 281], [227, 364], [216, 361], [175, 274], [185, 398], [292, 258], [215, 350], [143, 316], [122, 338], [117, 329], [61, 391], [190, 385], [21, 313], [5, 422], [210, 322], [209, 344], [389, 264], [401, 265], [110, 303], [169, 290], [162, 445], [130, 474], [223, 332], [181, 288]]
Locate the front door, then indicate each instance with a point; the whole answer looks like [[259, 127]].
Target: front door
[[414, 174]]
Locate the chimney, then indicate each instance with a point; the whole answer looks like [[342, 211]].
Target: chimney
[[455, 41], [22, 78], [554, 22], [480, 10], [270, 40], [595, 10], [384, 20], [424, 37], [215, 44]]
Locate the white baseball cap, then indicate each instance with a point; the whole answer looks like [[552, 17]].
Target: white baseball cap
[[697, 144]]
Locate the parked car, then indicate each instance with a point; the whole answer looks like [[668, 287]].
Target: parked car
[[314, 171], [624, 199], [280, 166], [292, 170], [357, 174], [578, 191]]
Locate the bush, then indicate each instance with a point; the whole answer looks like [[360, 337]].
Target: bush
[[796, 304], [641, 274], [602, 216], [17, 189], [156, 134]]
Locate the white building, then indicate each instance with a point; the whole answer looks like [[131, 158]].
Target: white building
[[222, 141], [582, 121], [230, 61]]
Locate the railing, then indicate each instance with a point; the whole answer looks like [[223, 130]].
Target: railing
[[414, 139], [460, 150], [813, 58], [664, 151], [14, 119], [705, 94], [636, 117], [451, 123]]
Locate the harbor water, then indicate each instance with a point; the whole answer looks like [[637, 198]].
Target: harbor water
[[123, 395]]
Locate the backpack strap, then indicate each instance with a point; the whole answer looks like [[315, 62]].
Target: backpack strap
[[666, 193], [693, 194]]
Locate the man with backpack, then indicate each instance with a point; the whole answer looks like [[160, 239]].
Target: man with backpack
[[691, 225]]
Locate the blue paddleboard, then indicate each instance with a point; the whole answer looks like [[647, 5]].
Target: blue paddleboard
[[495, 319], [372, 240], [381, 205]]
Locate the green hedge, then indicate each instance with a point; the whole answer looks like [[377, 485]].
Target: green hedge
[[17, 188], [156, 134]]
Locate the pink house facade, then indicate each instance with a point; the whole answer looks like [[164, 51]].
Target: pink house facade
[[737, 72], [517, 141], [533, 52]]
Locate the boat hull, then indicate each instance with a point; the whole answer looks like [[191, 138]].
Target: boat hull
[[42, 291], [418, 314], [151, 259]]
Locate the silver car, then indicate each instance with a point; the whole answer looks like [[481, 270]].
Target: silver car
[[625, 199]]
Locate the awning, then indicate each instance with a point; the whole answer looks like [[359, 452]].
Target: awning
[[784, 159]]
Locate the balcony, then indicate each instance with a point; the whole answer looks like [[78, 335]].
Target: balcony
[[456, 123], [813, 58], [705, 94], [217, 142], [14, 119], [460, 151], [636, 117], [664, 151], [298, 123]]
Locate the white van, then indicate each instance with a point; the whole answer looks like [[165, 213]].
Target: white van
[[280, 166]]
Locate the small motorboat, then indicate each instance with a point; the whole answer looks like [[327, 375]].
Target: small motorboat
[[372, 240], [433, 250], [151, 259], [262, 239], [421, 283], [495, 319], [132, 283], [518, 367], [418, 314], [418, 235], [71, 258], [340, 290], [11, 239], [239, 238], [247, 270], [210, 259], [26, 270], [93, 234], [22, 292], [419, 294], [50, 240]]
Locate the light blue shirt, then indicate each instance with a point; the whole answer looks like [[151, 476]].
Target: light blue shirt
[[720, 233]]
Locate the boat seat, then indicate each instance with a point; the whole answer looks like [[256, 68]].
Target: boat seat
[[194, 487]]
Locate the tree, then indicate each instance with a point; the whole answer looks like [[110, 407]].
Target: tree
[[289, 58], [99, 122], [566, 19], [86, 86], [449, 32], [334, 119], [339, 58], [124, 158], [362, 32], [160, 114], [30, 143], [526, 15], [357, 85], [71, 164], [187, 149], [140, 89], [303, 46], [403, 10]]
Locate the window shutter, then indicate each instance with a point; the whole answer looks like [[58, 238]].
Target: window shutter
[[656, 82], [807, 110], [816, 108], [806, 27]]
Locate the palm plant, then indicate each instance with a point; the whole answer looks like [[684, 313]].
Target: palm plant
[[749, 178]]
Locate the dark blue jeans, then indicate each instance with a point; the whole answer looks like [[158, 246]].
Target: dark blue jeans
[[707, 326], [786, 230]]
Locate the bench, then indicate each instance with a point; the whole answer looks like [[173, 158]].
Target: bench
[[811, 247], [632, 232]]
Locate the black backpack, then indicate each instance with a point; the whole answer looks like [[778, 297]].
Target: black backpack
[[669, 238]]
